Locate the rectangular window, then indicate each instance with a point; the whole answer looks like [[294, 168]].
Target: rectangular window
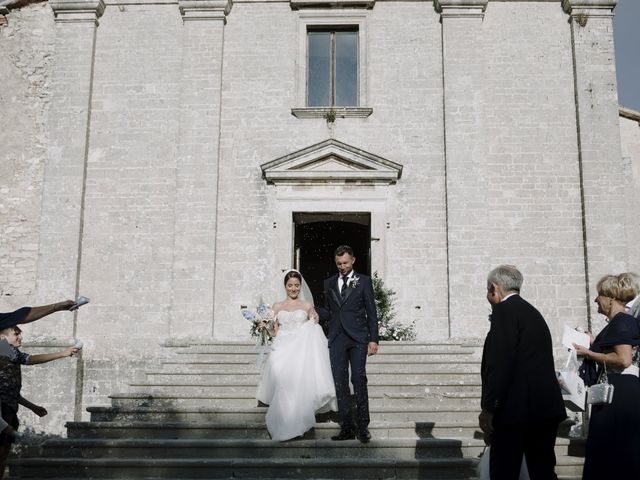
[[332, 67]]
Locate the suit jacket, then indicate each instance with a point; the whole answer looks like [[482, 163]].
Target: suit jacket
[[356, 314], [519, 382]]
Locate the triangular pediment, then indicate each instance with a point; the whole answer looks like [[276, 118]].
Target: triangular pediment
[[331, 161]]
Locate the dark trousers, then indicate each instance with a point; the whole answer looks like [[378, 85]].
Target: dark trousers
[[535, 440], [345, 352]]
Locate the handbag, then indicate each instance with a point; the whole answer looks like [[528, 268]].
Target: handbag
[[602, 392]]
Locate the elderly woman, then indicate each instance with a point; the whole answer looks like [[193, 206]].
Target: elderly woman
[[613, 445]]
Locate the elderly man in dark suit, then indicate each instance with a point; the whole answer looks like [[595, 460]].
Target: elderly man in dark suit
[[521, 399], [350, 311]]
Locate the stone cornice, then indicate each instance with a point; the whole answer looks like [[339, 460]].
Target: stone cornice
[[630, 114], [336, 112], [205, 9], [461, 8], [331, 163], [591, 8], [73, 11], [334, 4]]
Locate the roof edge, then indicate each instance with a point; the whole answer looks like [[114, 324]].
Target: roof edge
[[629, 113]]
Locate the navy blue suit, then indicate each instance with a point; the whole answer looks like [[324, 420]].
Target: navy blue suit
[[352, 324]]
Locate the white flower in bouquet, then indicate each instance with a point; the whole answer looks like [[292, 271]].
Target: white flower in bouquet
[[262, 322]]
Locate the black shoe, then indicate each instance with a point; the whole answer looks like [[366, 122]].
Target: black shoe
[[364, 436], [344, 435]]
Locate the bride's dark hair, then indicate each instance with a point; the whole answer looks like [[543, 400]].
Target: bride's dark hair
[[292, 274]]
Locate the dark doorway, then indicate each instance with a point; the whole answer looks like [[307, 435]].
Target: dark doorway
[[317, 235]]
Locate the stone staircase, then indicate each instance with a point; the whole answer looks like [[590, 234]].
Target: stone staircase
[[195, 416]]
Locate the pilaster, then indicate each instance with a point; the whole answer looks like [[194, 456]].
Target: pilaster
[[77, 11], [197, 166], [460, 8], [599, 146], [589, 8], [462, 66], [205, 9], [64, 181]]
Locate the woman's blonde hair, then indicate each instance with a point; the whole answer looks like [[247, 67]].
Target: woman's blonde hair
[[621, 287]]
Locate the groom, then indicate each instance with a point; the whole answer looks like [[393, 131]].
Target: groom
[[353, 335]]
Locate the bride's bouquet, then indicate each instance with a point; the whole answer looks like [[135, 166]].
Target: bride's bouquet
[[262, 321]]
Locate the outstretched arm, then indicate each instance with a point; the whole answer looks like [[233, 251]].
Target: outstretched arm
[[37, 409], [48, 357], [37, 313]]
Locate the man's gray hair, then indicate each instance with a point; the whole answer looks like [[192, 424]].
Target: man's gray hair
[[507, 277]]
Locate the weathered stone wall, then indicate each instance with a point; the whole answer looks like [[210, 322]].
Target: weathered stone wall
[[26, 49], [630, 137], [517, 199], [26, 55], [154, 203], [404, 79]]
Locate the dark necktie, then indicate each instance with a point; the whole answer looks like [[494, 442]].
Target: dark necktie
[[344, 285]]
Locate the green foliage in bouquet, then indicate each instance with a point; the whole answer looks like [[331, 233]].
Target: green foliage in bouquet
[[388, 328]]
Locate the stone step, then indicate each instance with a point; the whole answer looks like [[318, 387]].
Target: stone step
[[405, 448], [452, 381], [256, 414], [246, 399], [467, 432], [258, 430], [242, 387], [567, 468], [373, 368], [231, 347], [560, 477], [384, 372], [383, 357], [418, 447], [248, 468]]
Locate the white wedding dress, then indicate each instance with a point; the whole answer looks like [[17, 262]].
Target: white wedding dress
[[296, 381]]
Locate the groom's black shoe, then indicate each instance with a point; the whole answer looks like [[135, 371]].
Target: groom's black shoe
[[344, 435], [364, 436]]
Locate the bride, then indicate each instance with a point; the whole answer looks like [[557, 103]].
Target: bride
[[296, 382]]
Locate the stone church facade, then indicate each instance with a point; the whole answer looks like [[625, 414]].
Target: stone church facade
[[169, 158]]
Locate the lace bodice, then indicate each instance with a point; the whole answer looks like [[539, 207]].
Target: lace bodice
[[291, 320]]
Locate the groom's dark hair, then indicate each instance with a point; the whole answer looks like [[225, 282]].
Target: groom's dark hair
[[342, 249]]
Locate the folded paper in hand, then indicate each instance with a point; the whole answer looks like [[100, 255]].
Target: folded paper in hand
[[572, 336], [79, 302]]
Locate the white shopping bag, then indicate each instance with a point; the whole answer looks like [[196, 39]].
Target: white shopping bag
[[573, 390], [483, 467]]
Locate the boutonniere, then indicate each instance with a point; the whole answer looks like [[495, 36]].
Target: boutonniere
[[354, 281]]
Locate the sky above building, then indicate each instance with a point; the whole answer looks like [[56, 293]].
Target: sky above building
[[626, 28]]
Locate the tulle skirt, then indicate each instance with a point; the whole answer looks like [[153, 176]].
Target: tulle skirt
[[296, 381]]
